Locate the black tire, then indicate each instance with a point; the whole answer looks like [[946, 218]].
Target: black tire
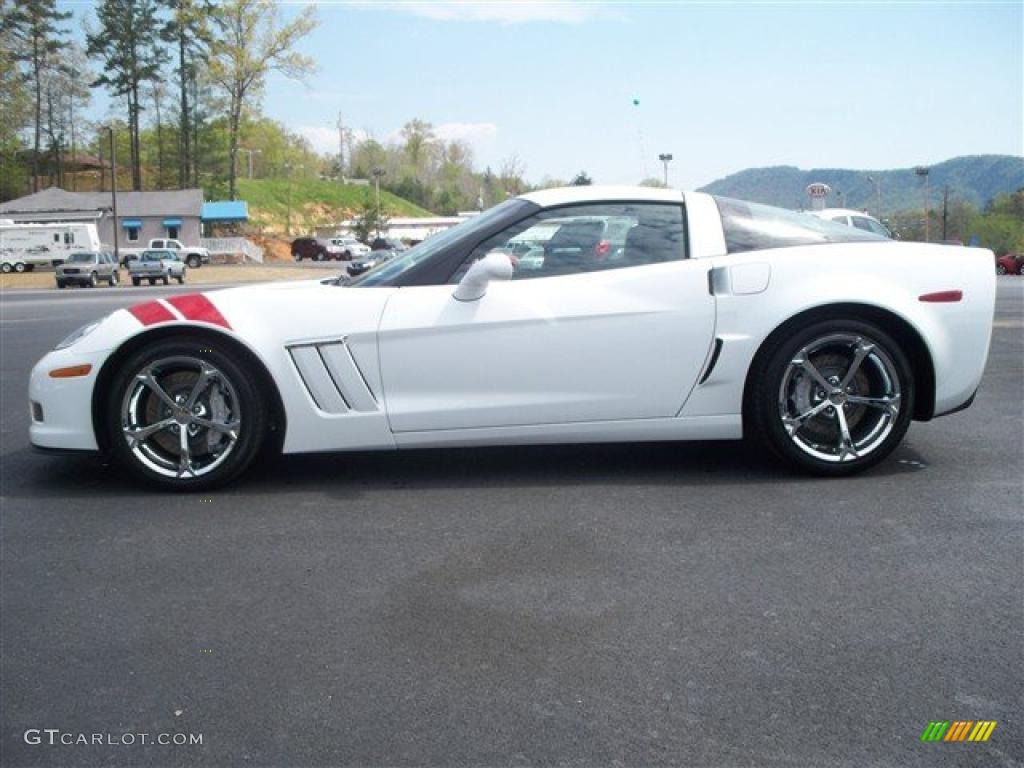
[[251, 414], [19, 267], [152, 280], [61, 284], [776, 361], [181, 278], [136, 281], [6, 268], [318, 256], [94, 280], [1020, 269], [194, 261], [1000, 269], [113, 279]]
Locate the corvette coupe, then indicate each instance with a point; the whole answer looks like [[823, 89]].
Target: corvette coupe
[[644, 314]]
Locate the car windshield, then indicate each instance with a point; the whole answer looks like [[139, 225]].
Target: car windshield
[[753, 227], [155, 255], [81, 258], [387, 271]]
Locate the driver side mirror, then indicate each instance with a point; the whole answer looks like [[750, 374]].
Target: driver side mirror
[[496, 265]]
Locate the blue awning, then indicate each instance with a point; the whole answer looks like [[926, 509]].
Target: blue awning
[[172, 222], [226, 211], [131, 223]]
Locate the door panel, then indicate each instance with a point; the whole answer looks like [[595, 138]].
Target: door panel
[[619, 344]]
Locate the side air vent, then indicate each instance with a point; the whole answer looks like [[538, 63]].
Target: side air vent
[[712, 362], [332, 377]]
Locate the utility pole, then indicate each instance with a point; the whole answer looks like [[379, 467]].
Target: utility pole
[[922, 172], [945, 210], [878, 196], [665, 158], [377, 173], [113, 189], [341, 149]]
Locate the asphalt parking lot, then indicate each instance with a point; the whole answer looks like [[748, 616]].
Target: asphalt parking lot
[[597, 605]]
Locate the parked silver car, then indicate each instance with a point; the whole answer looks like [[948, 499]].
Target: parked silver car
[[156, 264], [87, 268]]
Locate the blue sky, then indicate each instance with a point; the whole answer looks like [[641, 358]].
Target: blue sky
[[721, 86]]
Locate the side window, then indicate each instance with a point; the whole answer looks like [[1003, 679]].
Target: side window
[[861, 222], [879, 229], [589, 238], [133, 235]]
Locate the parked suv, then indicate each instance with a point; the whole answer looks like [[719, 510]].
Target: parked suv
[[309, 248], [350, 248], [87, 268], [388, 244]]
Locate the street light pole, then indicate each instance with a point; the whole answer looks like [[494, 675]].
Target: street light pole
[[250, 153], [113, 189], [922, 171], [288, 217], [665, 158]]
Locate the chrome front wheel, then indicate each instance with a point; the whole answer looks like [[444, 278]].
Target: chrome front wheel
[[186, 414], [181, 417]]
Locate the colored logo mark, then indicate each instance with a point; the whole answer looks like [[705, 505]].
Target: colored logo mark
[[958, 730]]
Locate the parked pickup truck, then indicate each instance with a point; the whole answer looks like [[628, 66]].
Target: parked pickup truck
[[192, 256], [153, 265]]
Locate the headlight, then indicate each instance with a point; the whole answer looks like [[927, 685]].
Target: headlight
[[85, 330]]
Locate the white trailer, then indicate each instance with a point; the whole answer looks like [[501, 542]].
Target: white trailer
[[25, 246]]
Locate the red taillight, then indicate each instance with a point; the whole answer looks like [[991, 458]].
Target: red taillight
[[603, 248], [942, 296]]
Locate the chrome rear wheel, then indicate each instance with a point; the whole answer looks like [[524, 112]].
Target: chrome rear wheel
[[832, 397], [839, 398]]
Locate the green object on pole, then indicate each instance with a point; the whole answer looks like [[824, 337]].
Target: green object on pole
[[636, 102]]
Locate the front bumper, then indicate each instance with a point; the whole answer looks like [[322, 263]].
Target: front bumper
[[61, 409]]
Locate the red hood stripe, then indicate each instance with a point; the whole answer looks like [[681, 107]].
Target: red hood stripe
[[151, 312], [195, 306]]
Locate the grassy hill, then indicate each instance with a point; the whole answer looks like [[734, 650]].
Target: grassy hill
[[975, 179], [313, 203]]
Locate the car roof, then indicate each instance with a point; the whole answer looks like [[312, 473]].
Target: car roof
[[546, 198]]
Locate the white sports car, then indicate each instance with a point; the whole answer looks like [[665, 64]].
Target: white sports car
[[650, 315]]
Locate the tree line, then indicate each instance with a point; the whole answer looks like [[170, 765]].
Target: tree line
[[185, 79], [999, 225], [197, 67]]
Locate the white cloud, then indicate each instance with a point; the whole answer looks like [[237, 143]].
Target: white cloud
[[323, 139], [503, 11], [469, 132]]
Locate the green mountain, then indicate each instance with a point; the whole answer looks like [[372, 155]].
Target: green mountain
[[974, 178]]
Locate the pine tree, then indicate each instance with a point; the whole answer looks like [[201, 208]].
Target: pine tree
[[33, 25], [126, 43], [188, 33]]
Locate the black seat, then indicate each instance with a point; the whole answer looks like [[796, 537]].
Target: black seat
[[644, 245]]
